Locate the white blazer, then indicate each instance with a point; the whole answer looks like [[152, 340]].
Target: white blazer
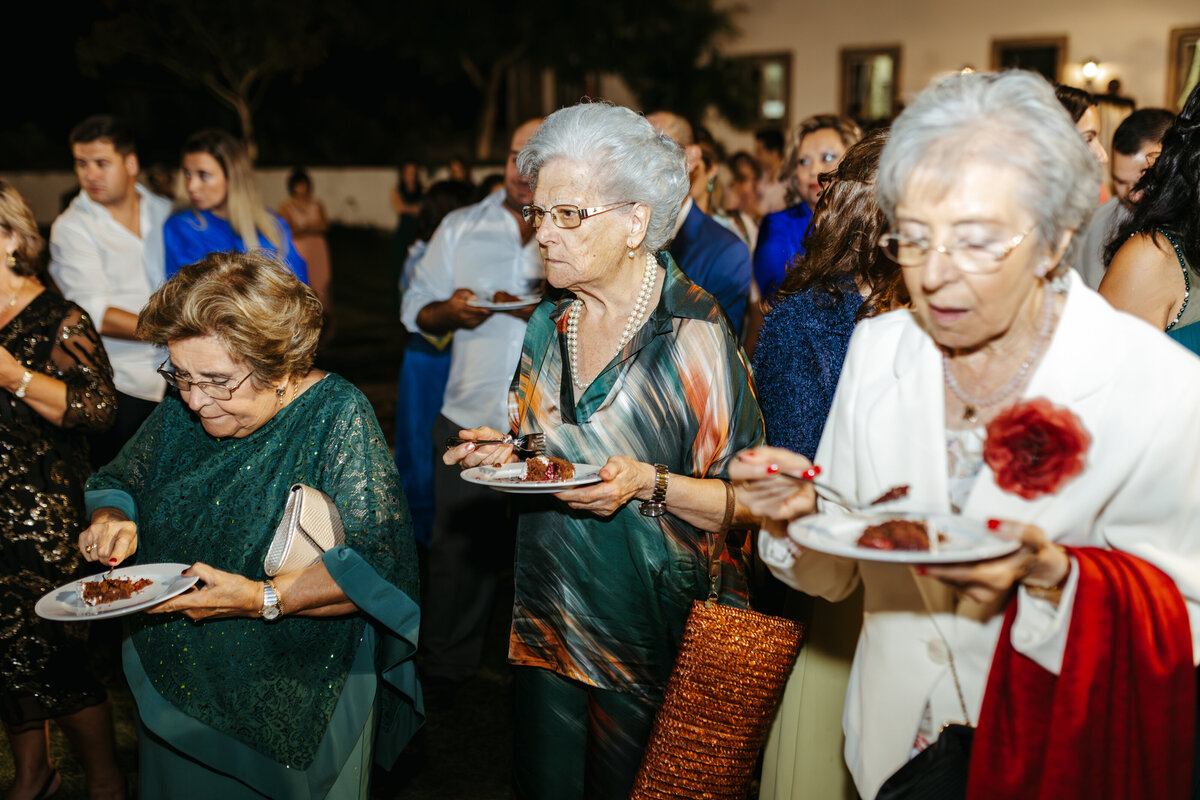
[[1138, 395]]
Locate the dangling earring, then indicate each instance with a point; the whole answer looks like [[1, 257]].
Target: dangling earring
[[712, 182], [279, 390], [12, 260]]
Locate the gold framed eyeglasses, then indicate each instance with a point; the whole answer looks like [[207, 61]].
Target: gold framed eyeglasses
[[976, 258], [217, 391], [565, 215]]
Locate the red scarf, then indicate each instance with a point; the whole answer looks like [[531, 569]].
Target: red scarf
[[1119, 721]]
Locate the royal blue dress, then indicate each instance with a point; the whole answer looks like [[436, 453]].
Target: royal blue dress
[[798, 362], [780, 239], [189, 236]]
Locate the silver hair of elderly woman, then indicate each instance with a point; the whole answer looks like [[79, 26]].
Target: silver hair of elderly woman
[[1008, 119], [629, 160]]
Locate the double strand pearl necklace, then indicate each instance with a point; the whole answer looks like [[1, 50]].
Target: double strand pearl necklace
[[636, 316], [971, 405]]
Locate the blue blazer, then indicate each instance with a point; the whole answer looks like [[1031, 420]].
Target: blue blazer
[[780, 239], [717, 261]]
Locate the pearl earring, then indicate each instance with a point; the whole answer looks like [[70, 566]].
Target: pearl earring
[[631, 254], [279, 390]]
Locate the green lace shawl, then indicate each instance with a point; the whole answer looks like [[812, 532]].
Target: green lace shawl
[[272, 687]]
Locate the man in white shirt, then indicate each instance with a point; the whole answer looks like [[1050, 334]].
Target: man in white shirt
[[480, 254], [1137, 141], [106, 254]]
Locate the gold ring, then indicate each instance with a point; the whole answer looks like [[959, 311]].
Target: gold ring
[[89, 548]]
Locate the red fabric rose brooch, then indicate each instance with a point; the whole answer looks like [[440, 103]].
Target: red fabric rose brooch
[[1035, 447]]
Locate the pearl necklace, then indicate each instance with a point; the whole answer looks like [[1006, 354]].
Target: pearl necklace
[[971, 405], [636, 316]]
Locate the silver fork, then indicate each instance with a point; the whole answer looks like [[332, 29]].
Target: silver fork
[[825, 490], [529, 443]]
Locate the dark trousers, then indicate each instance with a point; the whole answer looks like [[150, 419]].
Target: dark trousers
[[131, 413], [473, 530], [572, 741]]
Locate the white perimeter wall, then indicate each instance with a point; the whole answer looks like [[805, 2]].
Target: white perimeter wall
[[1128, 37], [352, 195]]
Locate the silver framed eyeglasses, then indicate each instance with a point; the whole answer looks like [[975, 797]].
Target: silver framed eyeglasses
[[567, 216], [970, 257], [217, 391]]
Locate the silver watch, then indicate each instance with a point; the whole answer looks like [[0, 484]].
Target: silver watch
[[271, 609]]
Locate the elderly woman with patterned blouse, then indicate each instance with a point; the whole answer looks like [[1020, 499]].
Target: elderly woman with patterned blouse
[[632, 366]]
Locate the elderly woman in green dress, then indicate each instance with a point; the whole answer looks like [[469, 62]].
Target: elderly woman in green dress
[[629, 365], [252, 686]]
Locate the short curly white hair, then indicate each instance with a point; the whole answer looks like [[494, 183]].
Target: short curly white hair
[[627, 158], [1009, 119]]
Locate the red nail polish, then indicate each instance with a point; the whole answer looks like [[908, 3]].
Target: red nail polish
[[811, 472], [112, 561], [772, 469], [994, 524], [921, 570]]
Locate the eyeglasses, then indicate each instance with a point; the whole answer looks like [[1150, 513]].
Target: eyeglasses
[[567, 216], [217, 391], [970, 257]]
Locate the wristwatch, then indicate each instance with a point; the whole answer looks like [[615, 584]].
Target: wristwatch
[[656, 506], [271, 607]]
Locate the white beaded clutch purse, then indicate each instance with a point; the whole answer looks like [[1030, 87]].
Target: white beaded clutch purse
[[310, 526]]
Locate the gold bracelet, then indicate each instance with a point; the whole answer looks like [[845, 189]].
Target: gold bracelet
[[1051, 593]]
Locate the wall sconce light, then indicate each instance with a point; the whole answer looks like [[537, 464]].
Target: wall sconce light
[[1091, 69]]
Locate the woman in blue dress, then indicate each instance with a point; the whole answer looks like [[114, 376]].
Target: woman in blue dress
[[220, 208], [817, 146]]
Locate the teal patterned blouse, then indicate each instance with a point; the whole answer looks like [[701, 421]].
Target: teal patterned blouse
[[604, 600], [272, 688]]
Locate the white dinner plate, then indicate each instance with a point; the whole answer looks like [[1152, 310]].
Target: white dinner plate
[[506, 305], [511, 478], [963, 539], [63, 604]]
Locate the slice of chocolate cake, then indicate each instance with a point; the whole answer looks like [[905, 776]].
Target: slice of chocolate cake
[[895, 534], [108, 590], [545, 469]]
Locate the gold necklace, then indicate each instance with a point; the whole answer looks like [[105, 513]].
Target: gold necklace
[[16, 294]]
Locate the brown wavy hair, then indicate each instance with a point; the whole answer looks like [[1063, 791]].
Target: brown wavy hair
[[266, 318], [841, 248]]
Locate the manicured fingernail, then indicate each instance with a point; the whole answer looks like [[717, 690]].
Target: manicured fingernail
[[921, 570], [470, 447], [772, 469], [811, 472], [994, 524], [112, 561], [749, 454]]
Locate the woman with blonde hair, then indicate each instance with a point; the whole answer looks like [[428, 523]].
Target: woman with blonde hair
[[55, 384], [220, 208]]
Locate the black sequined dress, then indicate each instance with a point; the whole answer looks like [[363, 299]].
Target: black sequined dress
[[43, 665]]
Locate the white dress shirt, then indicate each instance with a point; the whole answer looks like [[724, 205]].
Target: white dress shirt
[[478, 248], [100, 264], [1109, 216]]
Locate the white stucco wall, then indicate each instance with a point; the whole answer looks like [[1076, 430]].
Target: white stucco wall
[[1129, 39]]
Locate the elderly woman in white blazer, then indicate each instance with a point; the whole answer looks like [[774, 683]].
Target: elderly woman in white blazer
[[986, 184]]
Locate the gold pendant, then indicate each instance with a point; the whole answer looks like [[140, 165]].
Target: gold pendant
[[970, 413]]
